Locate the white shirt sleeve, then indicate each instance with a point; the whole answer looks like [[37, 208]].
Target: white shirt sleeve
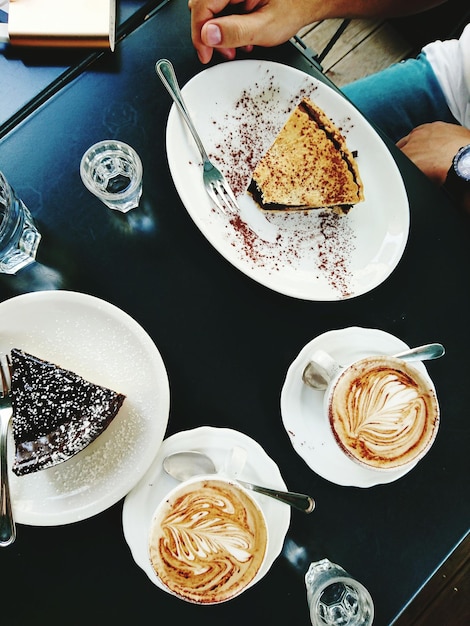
[[450, 61]]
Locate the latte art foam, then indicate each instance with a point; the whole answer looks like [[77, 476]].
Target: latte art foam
[[208, 541], [383, 413]]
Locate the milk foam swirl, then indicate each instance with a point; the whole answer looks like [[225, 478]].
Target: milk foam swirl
[[384, 416], [209, 542]]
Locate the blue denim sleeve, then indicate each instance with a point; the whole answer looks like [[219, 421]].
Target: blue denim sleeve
[[401, 97]]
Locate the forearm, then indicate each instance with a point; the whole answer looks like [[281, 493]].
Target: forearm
[[231, 24], [303, 12], [367, 8]]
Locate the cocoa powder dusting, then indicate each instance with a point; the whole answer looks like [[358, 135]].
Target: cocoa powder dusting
[[320, 242]]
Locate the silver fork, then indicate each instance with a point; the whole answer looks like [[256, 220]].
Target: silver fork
[[7, 524], [214, 181]]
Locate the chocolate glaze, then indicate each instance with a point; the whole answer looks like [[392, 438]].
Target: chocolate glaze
[[56, 413]]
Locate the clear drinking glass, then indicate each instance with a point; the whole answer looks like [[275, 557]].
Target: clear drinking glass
[[19, 237], [112, 171], [336, 599]]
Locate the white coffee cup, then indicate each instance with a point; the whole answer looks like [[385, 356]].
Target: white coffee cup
[[208, 540], [382, 411]]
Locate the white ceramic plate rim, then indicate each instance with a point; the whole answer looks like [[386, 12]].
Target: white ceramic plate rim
[[302, 406], [141, 502], [379, 226], [105, 345]]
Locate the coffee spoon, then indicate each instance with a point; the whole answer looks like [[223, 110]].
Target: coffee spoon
[[184, 465], [313, 378]]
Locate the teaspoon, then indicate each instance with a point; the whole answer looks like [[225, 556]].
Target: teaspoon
[[313, 378], [184, 465]]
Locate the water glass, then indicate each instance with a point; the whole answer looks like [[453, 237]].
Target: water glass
[[336, 599], [19, 237], [112, 171]]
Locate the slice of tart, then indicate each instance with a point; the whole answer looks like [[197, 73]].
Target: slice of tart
[[56, 413], [309, 166]]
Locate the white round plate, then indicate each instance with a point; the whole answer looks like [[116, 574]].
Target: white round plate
[[259, 468], [302, 407], [103, 344], [238, 109]]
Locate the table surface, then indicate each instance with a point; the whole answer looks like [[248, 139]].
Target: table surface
[[30, 76], [243, 337]]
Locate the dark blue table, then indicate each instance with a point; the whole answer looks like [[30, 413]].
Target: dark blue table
[[29, 76], [190, 300]]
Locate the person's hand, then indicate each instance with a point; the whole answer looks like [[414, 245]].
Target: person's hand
[[433, 146], [245, 23], [230, 24]]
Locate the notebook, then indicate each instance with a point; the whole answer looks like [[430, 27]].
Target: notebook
[[62, 23]]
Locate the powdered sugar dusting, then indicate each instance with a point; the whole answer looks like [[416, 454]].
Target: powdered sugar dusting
[[111, 455]]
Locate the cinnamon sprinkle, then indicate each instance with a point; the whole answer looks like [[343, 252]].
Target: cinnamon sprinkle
[[321, 242]]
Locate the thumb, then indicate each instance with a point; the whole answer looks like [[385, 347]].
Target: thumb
[[233, 31]]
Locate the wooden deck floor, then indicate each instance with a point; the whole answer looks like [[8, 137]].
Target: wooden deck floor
[[365, 47]]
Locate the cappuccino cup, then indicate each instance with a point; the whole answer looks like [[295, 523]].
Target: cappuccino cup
[[382, 411], [208, 540]]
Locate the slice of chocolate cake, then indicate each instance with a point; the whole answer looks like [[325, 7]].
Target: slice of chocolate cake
[[56, 413], [309, 166]]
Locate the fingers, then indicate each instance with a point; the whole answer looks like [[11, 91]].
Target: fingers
[[243, 24], [401, 143], [252, 22], [201, 12], [232, 31], [229, 33]]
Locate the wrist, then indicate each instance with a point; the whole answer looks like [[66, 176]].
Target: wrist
[[457, 182]]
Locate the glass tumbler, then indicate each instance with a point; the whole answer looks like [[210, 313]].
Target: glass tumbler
[[336, 599], [112, 171], [19, 237]]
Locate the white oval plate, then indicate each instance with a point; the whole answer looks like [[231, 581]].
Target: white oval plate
[[302, 407], [238, 108], [106, 346], [259, 468]]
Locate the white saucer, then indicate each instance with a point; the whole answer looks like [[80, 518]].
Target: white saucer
[[259, 468], [302, 406]]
